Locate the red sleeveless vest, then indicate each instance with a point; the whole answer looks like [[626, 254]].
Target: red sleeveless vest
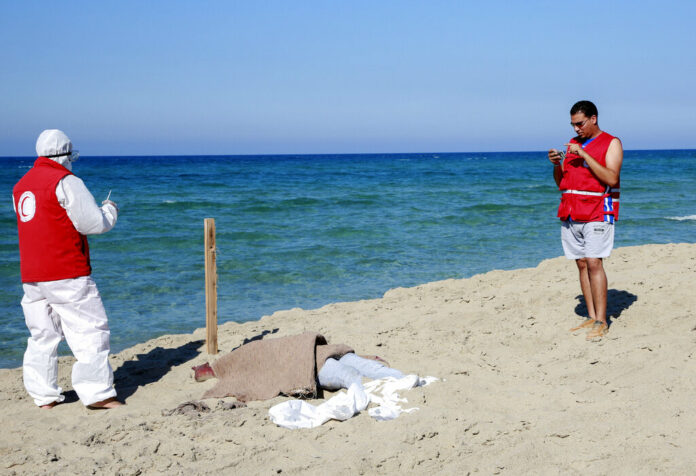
[[584, 197], [50, 248]]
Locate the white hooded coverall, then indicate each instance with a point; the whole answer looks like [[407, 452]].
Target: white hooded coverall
[[69, 308]]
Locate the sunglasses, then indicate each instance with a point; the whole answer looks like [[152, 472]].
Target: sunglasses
[[579, 124]]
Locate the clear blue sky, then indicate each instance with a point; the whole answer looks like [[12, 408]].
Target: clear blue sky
[[255, 77]]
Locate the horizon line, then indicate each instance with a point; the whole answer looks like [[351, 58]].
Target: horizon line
[[331, 153]]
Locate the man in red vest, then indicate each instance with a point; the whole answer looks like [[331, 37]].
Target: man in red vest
[[588, 178], [54, 213]]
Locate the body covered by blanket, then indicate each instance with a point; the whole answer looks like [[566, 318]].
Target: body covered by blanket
[[263, 369]]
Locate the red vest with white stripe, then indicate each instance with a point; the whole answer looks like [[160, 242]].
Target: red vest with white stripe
[[584, 198], [50, 248]]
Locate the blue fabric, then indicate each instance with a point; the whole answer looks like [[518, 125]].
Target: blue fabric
[[586, 143]]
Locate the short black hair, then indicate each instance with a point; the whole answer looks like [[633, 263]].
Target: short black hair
[[586, 107]]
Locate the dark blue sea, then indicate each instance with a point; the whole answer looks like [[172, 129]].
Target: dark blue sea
[[304, 231]]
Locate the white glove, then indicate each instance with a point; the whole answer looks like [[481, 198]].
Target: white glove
[[109, 202]]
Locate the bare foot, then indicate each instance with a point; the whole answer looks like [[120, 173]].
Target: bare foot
[[105, 404], [49, 406], [203, 372]]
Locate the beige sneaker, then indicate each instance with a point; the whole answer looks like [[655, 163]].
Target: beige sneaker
[[599, 329], [585, 324]]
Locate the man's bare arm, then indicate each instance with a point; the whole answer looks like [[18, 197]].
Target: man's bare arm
[[608, 174], [555, 159]]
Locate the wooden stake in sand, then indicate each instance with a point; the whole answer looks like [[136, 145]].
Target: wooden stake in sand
[[210, 287]]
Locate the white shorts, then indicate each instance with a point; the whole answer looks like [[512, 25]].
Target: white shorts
[[593, 239]]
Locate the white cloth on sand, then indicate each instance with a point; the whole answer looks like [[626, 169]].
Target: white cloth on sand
[[295, 414]]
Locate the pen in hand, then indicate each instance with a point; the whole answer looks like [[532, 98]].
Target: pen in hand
[[109, 201]]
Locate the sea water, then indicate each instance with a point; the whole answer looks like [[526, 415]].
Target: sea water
[[304, 231]]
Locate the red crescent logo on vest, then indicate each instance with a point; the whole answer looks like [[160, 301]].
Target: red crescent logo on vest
[[26, 206]]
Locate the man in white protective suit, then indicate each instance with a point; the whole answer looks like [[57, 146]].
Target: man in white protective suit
[[54, 213]]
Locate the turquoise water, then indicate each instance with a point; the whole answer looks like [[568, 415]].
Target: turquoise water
[[303, 231]]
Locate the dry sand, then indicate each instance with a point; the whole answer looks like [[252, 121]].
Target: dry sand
[[521, 394]]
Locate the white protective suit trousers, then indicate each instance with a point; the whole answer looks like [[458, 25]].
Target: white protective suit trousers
[[70, 309]]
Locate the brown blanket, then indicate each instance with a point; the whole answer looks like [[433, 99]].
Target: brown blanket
[[264, 369]]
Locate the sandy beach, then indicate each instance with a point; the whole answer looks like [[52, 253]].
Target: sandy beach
[[520, 393]]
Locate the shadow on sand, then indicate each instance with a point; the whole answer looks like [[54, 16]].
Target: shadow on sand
[[260, 336], [617, 302], [253, 338], [157, 363], [70, 396], [151, 367]]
